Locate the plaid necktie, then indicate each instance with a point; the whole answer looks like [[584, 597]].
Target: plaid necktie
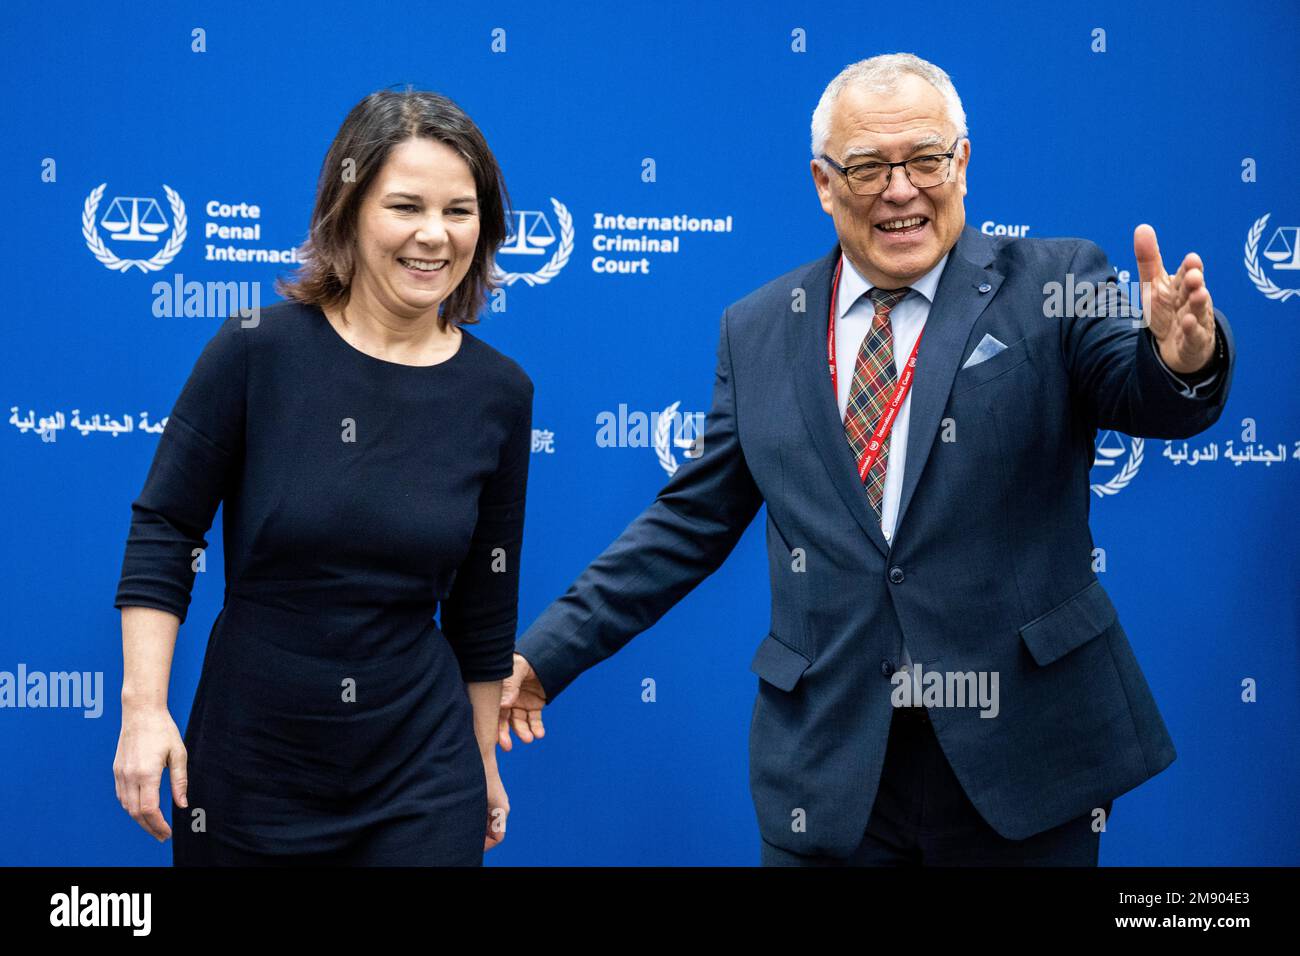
[[874, 381]]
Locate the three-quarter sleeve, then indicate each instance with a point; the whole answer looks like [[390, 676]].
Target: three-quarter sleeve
[[196, 459], [481, 612]]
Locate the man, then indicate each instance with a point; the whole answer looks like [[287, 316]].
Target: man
[[934, 512]]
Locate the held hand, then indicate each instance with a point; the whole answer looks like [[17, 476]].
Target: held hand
[[522, 700], [148, 742], [498, 809], [1178, 307]]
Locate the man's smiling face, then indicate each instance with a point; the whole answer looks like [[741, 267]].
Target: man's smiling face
[[910, 121]]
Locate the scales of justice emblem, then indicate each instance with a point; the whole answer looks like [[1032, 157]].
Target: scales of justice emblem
[[137, 219], [530, 233], [1110, 449], [128, 226], [1282, 251]]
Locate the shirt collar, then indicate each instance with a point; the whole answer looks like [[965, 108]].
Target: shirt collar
[[853, 285]]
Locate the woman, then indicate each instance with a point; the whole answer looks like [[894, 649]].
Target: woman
[[373, 458]]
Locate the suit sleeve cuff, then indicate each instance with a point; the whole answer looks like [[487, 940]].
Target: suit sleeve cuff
[[1197, 384]]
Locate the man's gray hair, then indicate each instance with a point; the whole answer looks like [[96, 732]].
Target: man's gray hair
[[880, 74]]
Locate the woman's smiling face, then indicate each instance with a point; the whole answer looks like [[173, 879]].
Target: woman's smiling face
[[417, 229]]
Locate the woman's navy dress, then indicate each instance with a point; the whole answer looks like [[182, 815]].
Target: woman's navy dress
[[331, 722]]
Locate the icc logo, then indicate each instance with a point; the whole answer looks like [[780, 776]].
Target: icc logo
[[1110, 458], [135, 225], [531, 234], [1282, 252]]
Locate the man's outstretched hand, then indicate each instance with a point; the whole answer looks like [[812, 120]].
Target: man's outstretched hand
[[1178, 307], [522, 700]]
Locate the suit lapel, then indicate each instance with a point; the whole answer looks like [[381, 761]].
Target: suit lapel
[[958, 304], [806, 342]]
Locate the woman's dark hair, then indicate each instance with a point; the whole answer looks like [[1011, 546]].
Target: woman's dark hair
[[374, 126]]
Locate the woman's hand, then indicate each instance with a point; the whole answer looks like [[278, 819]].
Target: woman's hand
[[149, 741], [498, 808]]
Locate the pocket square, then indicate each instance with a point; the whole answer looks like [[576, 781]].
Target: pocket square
[[988, 347]]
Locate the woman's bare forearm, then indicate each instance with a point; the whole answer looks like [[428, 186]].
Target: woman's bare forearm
[[148, 642], [485, 697]]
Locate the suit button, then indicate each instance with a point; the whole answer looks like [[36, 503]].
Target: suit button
[[896, 575], [886, 668]]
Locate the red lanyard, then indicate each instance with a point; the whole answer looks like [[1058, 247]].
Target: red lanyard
[[872, 451]]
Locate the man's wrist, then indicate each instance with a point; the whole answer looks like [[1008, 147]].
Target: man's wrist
[[1214, 364]]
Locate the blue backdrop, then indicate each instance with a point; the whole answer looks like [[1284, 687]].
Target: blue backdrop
[[1185, 119]]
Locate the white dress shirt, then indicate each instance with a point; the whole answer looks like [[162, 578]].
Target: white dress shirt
[[854, 312]]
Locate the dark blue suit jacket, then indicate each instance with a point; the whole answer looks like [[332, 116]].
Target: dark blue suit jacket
[[990, 568]]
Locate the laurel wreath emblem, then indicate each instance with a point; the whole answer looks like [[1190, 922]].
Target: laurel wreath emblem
[[558, 261], [105, 255], [1121, 480], [1257, 275], [662, 449]]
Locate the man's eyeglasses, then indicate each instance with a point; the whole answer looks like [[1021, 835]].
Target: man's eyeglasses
[[870, 179]]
